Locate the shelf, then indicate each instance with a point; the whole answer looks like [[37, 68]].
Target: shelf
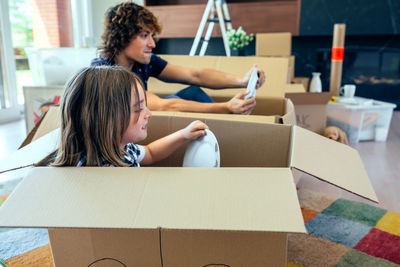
[[182, 21], [191, 2]]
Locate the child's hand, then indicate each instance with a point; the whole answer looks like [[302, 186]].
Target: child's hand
[[194, 130]]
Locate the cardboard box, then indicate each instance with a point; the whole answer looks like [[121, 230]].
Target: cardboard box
[[268, 110], [274, 44], [236, 215], [305, 81], [270, 97], [275, 71], [295, 88], [310, 110]]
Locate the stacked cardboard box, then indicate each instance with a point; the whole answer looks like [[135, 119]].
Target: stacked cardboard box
[[310, 107], [276, 45]]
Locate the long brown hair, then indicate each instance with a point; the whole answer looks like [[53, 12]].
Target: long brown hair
[[95, 112], [122, 23]]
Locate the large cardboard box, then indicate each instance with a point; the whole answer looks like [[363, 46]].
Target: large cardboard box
[[311, 110], [236, 215], [276, 45], [271, 109], [268, 110], [270, 97], [305, 81], [275, 70], [295, 88]]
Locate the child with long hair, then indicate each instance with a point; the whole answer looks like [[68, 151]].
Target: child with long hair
[[104, 115]]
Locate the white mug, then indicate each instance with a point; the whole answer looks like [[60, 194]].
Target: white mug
[[348, 90]]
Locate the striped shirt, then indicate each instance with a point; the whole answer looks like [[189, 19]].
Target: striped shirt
[[133, 156]]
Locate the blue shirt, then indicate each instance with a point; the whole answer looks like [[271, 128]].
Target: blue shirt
[[144, 71]]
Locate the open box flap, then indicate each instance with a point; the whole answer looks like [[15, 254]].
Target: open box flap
[[32, 153], [290, 114], [49, 121], [330, 161], [242, 199], [309, 98]]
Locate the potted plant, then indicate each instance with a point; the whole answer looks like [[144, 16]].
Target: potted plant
[[238, 40]]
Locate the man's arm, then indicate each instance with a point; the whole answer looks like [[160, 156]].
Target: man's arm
[[236, 105], [207, 77]]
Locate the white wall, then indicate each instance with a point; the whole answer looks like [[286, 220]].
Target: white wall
[[8, 86], [88, 20]]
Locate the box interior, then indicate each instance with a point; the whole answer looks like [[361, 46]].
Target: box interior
[[265, 145]]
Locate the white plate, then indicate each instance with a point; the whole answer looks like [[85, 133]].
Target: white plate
[[251, 85], [202, 152]]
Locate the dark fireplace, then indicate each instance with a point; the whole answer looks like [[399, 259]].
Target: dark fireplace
[[375, 71], [370, 62]]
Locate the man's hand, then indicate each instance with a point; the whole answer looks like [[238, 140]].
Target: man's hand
[[194, 130], [260, 81], [240, 106]]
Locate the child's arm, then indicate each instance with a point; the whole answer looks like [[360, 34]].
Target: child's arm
[[163, 147]]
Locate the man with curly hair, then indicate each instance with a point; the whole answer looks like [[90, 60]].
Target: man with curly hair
[[128, 41]]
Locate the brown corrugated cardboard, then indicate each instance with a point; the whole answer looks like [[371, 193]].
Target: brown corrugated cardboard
[[276, 109], [310, 110], [302, 80], [235, 215], [105, 247], [295, 88], [208, 211], [274, 44], [268, 110], [306, 149], [270, 145], [290, 76], [253, 118], [275, 71]]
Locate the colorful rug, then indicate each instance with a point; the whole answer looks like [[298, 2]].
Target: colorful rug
[[341, 233], [344, 233]]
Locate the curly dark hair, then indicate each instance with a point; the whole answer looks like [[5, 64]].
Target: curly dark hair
[[122, 23]]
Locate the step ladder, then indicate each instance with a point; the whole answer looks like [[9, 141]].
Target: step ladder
[[209, 16]]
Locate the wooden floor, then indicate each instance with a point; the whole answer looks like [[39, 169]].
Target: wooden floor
[[381, 160]]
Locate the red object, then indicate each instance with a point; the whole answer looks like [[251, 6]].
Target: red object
[[56, 99], [337, 53]]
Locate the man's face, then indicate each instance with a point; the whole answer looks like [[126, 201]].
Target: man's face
[[140, 47]]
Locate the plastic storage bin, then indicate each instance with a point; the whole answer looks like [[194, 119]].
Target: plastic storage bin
[[54, 66], [362, 119]]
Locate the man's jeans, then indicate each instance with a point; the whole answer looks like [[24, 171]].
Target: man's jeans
[[193, 93]]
